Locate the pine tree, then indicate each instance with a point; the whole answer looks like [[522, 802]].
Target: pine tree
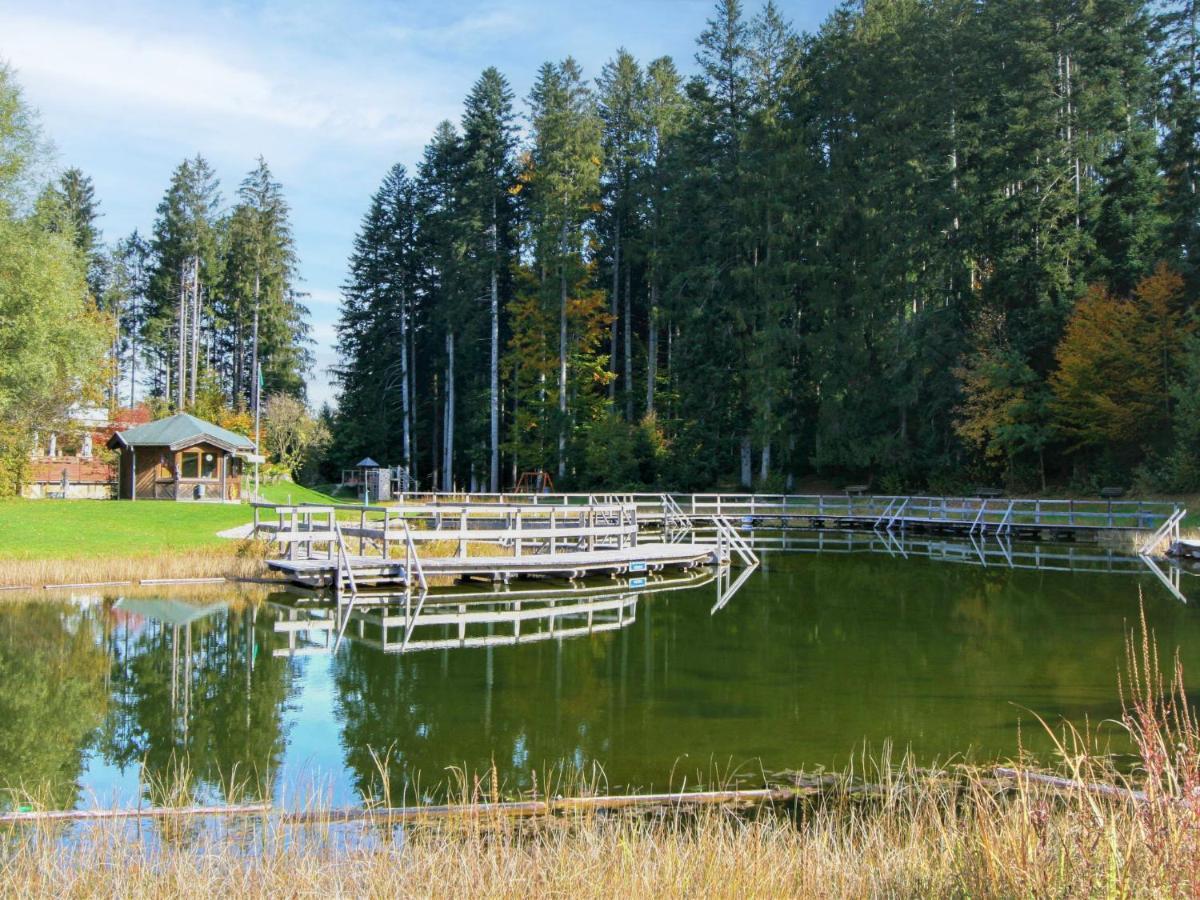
[[376, 328], [261, 309], [77, 194], [665, 112], [621, 105], [489, 144], [187, 260], [125, 296], [564, 184], [1178, 26]]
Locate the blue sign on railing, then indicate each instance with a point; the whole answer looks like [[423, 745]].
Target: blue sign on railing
[[637, 566]]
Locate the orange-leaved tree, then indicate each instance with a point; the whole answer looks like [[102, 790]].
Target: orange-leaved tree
[[1115, 360]]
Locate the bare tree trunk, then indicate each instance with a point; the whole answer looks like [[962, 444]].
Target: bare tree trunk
[[183, 338], [411, 387], [652, 349], [255, 387], [516, 408], [133, 355], [628, 350], [616, 309], [670, 352], [747, 466], [436, 451], [562, 357], [494, 460], [448, 430], [404, 396], [764, 469], [195, 327]]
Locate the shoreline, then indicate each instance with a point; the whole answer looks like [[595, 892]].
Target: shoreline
[[241, 561]]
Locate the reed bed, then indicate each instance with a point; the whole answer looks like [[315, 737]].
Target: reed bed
[[233, 559], [1090, 826]]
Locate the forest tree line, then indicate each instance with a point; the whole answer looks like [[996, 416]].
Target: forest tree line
[[176, 318], [937, 243]]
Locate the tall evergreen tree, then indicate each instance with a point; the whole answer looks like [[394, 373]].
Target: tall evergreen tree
[[489, 145], [565, 185]]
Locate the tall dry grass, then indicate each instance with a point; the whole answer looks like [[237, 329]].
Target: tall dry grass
[[1089, 829], [237, 559]]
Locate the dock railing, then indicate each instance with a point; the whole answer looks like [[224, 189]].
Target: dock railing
[[514, 529], [987, 514]]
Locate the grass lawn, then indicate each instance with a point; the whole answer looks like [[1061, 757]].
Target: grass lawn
[[97, 529]]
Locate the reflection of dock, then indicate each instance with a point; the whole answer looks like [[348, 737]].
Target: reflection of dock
[[458, 627], [985, 551], [468, 618]]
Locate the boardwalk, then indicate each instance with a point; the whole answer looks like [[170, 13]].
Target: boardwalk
[[957, 515], [340, 546]]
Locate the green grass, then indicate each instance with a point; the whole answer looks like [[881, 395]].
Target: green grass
[[96, 529], [99, 529], [289, 492]]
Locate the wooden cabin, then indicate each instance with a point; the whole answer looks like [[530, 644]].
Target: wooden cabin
[[180, 458]]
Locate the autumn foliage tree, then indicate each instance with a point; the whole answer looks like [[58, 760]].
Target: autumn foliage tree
[[1115, 364], [1003, 413]]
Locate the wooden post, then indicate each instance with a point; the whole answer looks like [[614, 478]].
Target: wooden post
[[462, 533], [517, 543]]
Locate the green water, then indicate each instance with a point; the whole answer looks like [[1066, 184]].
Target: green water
[[815, 656]]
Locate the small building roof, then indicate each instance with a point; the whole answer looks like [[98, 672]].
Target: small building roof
[[367, 463], [179, 431], [170, 612]]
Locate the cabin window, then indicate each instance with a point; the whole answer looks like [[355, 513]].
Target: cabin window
[[198, 464]]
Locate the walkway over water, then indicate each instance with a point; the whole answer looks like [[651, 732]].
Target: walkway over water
[[966, 515], [343, 546]]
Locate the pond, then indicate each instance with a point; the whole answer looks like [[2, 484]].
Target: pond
[[816, 656]]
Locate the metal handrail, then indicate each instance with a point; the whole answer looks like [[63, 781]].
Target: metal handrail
[[1169, 527]]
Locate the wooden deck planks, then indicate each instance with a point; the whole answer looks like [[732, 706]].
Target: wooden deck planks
[[572, 564]]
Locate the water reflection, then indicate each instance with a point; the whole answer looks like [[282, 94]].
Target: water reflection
[[470, 619], [816, 653], [983, 550], [189, 684], [53, 694]]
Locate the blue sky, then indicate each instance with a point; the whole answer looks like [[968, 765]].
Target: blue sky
[[332, 94]]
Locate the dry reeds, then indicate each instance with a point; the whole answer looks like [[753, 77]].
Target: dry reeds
[[237, 559]]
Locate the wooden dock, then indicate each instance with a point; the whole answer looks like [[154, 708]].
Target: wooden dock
[[1029, 518], [349, 546], [571, 565]]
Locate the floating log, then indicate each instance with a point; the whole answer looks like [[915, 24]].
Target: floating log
[[514, 808], [87, 584], [220, 579], [1069, 784], [157, 812]]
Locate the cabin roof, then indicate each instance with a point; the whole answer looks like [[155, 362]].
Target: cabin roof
[[177, 432], [170, 612], [368, 463]]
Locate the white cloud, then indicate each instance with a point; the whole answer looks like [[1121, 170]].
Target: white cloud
[[159, 79]]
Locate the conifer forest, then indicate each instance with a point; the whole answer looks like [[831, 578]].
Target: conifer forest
[[937, 243]]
